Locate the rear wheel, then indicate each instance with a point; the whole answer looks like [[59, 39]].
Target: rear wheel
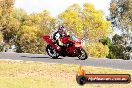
[[81, 54], [52, 52]]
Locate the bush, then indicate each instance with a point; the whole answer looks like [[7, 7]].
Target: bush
[[116, 52], [117, 39], [98, 50], [119, 52], [106, 41], [126, 56], [30, 40], [128, 48]]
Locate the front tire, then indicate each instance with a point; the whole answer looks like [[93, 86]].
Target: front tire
[[52, 52], [81, 54]]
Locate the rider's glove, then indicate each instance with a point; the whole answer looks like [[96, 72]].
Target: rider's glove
[[60, 43]]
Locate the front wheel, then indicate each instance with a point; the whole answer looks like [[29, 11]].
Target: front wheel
[[81, 54], [52, 52]]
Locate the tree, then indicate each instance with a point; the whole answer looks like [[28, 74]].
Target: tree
[[34, 26], [72, 20], [6, 7], [87, 21], [28, 40], [47, 23], [7, 23], [94, 23], [121, 17], [20, 15]]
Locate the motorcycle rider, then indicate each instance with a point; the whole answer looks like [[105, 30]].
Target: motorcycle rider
[[61, 32]]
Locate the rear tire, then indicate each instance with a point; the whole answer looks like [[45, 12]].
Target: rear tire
[[52, 52], [81, 54]]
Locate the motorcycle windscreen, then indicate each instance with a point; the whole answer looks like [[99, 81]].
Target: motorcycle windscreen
[[74, 38]]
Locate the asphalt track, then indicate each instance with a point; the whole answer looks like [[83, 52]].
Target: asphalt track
[[97, 62]]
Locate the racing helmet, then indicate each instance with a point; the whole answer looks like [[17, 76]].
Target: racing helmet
[[61, 28]]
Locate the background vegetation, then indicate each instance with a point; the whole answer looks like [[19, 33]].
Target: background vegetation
[[121, 19], [25, 31]]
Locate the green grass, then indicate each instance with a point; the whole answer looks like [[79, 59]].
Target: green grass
[[25, 74]]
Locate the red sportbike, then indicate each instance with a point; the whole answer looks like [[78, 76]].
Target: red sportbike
[[72, 47]]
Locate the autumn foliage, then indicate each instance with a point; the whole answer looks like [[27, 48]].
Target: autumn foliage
[[86, 22], [26, 31], [98, 50]]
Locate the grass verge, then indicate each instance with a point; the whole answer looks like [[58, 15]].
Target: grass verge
[[27, 74]]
